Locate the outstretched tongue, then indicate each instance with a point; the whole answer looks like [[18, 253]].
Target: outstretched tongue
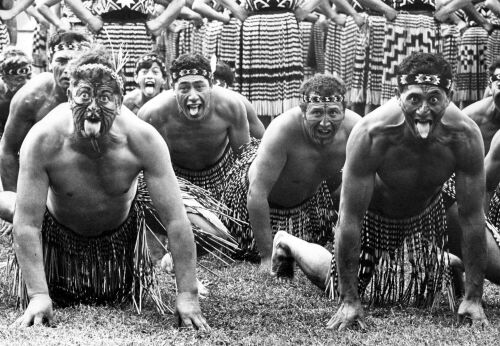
[[149, 90], [193, 110], [423, 128], [92, 128]]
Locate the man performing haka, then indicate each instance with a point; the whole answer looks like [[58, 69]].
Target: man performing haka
[[36, 99], [79, 227], [398, 159], [290, 179], [203, 125]]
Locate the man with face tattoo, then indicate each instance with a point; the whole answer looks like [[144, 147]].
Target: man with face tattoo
[[486, 112], [203, 126], [79, 219], [294, 173], [150, 77], [15, 71], [397, 159], [36, 99]]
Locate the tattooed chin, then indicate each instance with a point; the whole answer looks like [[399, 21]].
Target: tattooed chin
[[92, 123]]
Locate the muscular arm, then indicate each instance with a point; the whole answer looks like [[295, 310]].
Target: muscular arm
[[205, 10], [238, 11], [470, 182], [94, 22], [30, 208], [379, 6], [166, 17], [262, 175], [238, 131], [493, 5], [19, 122], [13, 8], [49, 15], [166, 197], [257, 129], [358, 181]]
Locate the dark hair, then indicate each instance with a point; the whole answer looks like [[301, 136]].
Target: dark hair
[[427, 63], [190, 61], [322, 85], [20, 57], [96, 55], [494, 65], [146, 61], [224, 72], [67, 37]]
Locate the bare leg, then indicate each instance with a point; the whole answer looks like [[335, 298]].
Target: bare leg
[[492, 272], [7, 205], [313, 259]]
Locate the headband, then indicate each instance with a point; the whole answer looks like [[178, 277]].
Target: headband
[[494, 77], [14, 66], [113, 74], [69, 46], [424, 79], [153, 58], [322, 99], [194, 71]]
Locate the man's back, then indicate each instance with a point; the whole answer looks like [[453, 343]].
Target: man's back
[[485, 115]]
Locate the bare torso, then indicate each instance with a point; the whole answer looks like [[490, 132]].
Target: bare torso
[[90, 192], [487, 117], [193, 145], [408, 173], [133, 100]]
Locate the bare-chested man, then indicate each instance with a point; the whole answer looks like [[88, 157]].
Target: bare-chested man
[[15, 71], [224, 77], [78, 205], [201, 124], [35, 100], [486, 112], [296, 169], [398, 158], [150, 77]]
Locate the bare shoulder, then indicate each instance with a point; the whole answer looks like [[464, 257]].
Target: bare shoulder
[[456, 119], [159, 108], [34, 93], [286, 127], [140, 135], [384, 122], [228, 104], [48, 135], [478, 110], [351, 119], [131, 99]]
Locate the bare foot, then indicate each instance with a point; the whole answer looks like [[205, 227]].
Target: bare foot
[[282, 263]]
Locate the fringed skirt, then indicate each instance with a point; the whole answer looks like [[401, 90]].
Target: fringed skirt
[[472, 70], [113, 267], [494, 208], [212, 38], [230, 40], [198, 38], [340, 49], [493, 46], [132, 38], [407, 34], [367, 69], [305, 32], [4, 36], [451, 40], [185, 41], [211, 178], [316, 54], [39, 50], [313, 220], [400, 260], [270, 69]]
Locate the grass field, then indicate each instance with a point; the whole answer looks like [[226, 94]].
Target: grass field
[[248, 308]]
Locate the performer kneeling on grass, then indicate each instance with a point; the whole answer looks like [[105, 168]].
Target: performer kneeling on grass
[[292, 178], [398, 158], [79, 228]]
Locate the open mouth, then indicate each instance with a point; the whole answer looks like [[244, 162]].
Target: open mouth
[[194, 109], [149, 87], [423, 127], [91, 128]]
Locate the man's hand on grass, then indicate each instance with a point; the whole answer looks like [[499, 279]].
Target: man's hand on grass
[[188, 312], [39, 310], [347, 315], [472, 312]]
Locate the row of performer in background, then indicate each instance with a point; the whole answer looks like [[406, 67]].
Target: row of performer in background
[[384, 209], [273, 45]]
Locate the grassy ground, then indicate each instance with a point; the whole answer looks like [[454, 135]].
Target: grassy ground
[[247, 308]]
